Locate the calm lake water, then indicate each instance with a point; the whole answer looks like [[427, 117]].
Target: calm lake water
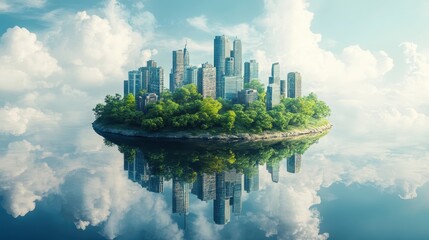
[[76, 184]]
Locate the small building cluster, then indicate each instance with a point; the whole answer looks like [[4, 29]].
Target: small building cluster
[[223, 79]]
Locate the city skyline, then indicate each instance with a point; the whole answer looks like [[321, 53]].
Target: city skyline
[[224, 79]]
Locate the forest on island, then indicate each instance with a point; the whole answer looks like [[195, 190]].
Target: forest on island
[[186, 109]]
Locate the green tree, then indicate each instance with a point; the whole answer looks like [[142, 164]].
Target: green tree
[[228, 120]]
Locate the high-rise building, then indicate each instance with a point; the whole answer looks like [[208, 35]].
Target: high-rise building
[[180, 197], [247, 96], [273, 96], [229, 66], [283, 89], [134, 83], [293, 163], [192, 75], [221, 51], [186, 61], [275, 74], [177, 75], [251, 71], [152, 78], [233, 84], [156, 81], [207, 80], [294, 85], [236, 53]]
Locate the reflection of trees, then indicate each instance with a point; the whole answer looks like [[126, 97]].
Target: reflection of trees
[[212, 171], [184, 159]]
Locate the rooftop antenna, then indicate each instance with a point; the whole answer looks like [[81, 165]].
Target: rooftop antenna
[[186, 43]]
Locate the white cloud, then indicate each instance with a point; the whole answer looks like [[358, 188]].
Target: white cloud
[[199, 22], [98, 48], [24, 61], [18, 5], [18, 121], [23, 178]]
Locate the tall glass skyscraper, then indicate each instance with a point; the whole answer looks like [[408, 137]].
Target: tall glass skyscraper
[[237, 54], [251, 71], [149, 78], [221, 51], [294, 85], [275, 74], [177, 75]]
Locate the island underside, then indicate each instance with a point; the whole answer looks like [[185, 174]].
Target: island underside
[[127, 131]]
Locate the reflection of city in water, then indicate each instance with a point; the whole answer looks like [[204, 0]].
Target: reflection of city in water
[[223, 188]]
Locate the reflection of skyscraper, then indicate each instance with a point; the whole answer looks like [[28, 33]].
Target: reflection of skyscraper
[[251, 181], [139, 171], [156, 184], [221, 207], [180, 199], [293, 163], [205, 187], [236, 198], [274, 170]]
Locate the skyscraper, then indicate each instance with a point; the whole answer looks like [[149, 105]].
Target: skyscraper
[[236, 53], [273, 89], [192, 75], [229, 66], [283, 89], [233, 84], [251, 71], [221, 51], [134, 83], [207, 80], [273, 96], [186, 61], [152, 78], [294, 85], [156, 80], [177, 75], [275, 74]]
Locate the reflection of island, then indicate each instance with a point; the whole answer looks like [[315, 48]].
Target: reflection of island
[[218, 173]]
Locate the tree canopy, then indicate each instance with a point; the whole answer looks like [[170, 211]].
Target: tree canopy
[[186, 109]]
